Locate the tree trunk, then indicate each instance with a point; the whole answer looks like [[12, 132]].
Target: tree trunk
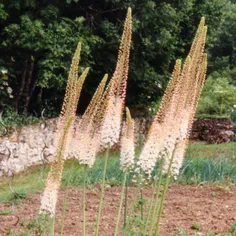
[[30, 86], [23, 77]]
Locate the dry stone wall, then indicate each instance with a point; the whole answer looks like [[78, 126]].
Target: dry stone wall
[[28, 146], [34, 144]]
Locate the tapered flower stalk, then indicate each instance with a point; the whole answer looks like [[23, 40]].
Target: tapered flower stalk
[[126, 158], [182, 144], [171, 88], [127, 144], [114, 97], [85, 143], [186, 106], [112, 107], [174, 117], [62, 136], [84, 146]]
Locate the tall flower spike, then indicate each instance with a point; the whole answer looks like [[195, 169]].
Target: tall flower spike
[[62, 136], [113, 100], [92, 109], [72, 79], [173, 120], [186, 108], [182, 144], [85, 143], [157, 134], [168, 93], [95, 101], [127, 143]]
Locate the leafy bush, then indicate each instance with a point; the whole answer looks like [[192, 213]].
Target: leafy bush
[[11, 120], [218, 97]]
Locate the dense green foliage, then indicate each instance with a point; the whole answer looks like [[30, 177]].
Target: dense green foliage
[[37, 39], [218, 97]]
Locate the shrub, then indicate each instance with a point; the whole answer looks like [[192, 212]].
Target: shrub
[[218, 97]]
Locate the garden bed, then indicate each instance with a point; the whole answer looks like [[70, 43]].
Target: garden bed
[[202, 208]]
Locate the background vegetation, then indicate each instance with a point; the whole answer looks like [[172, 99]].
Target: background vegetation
[[203, 164], [37, 39]]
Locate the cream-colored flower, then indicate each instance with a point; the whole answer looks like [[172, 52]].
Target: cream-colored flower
[[49, 198], [84, 146], [151, 151], [127, 146], [110, 129], [178, 157]]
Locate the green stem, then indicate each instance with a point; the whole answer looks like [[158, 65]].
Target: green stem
[[84, 200], [102, 193], [164, 193], [134, 200], [156, 204], [155, 190], [141, 203], [65, 205], [52, 226], [121, 202], [126, 203]]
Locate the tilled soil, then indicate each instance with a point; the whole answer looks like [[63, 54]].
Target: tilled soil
[[211, 207]]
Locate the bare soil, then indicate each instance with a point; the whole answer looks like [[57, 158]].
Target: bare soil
[[212, 207]]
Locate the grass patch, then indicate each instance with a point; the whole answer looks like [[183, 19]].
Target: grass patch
[[212, 151], [73, 173], [203, 163], [28, 182]]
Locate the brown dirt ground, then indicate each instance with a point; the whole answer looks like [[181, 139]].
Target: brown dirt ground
[[212, 206]]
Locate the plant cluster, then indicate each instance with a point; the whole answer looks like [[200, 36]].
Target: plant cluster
[[100, 126]]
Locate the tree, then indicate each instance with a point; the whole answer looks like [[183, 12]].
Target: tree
[[37, 39]]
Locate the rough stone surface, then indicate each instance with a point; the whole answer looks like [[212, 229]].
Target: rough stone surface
[[31, 145]]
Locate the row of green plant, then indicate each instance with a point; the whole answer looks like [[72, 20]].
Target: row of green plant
[[212, 167]]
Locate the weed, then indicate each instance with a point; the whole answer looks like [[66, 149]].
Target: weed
[[180, 232], [195, 226], [38, 227], [17, 196], [228, 234], [209, 233], [5, 213], [214, 194], [233, 227]]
